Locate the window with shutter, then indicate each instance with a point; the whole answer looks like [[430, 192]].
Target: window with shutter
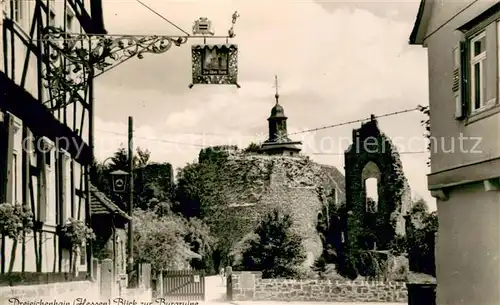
[[459, 80], [476, 67], [498, 61]]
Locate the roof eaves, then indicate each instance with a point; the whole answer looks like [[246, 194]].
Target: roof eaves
[[418, 22], [108, 204]]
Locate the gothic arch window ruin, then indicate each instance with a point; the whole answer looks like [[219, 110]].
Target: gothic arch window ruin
[[371, 177]]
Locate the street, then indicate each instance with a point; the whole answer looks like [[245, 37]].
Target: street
[[215, 289]]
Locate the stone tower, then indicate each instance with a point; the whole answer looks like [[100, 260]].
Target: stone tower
[[278, 142], [373, 156]]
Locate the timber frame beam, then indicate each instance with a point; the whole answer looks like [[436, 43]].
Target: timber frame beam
[[39, 120]]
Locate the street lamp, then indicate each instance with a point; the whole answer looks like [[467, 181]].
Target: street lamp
[[119, 179]]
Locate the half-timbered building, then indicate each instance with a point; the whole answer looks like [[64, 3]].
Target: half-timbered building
[[46, 141]]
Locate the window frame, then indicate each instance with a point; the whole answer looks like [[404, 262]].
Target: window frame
[[15, 176], [17, 11], [17, 143], [52, 17], [491, 93], [472, 60], [69, 20], [50, 188], [83, 254]]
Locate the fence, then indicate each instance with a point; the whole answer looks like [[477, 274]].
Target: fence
[[181, 285]]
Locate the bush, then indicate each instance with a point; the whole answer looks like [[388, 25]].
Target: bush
[[276, 250], [14, 220]]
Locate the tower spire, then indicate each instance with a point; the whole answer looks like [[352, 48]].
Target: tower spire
[[277, 95]]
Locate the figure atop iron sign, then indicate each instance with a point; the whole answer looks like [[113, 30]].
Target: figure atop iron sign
[[214, 63]]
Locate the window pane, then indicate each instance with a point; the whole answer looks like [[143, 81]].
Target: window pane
[[52, 19], [479, 46], [477, 85], [483, 82], [69, 23], [83, 255], [14, 178]]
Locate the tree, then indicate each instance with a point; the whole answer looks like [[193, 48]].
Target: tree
[[330, 230], [142, 157], [252, 147], [421, 242], [276, 251], [159, 240], [197, 190], [120, 161], [201, 241]]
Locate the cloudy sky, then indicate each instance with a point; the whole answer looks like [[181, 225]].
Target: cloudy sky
[[337, 61]]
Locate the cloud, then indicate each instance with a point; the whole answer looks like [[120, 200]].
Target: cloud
[[335, 63]]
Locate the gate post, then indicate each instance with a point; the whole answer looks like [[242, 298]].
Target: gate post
[[107, 279], [159, 282], [229, 283]]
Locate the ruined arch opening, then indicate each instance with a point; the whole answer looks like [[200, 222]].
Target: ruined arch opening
[[371, 191], [371, 185], [371, 181]]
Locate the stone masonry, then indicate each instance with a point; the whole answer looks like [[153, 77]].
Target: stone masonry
[[249, 286], [296, 185], [373, 155]]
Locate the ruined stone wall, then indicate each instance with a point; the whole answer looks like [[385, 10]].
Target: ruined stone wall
[[249, 286], [259, 183], [372, 155]]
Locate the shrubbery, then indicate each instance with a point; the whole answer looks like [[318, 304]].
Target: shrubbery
[[276, 250]]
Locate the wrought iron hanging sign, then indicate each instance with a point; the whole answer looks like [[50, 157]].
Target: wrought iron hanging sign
[[214, 63]]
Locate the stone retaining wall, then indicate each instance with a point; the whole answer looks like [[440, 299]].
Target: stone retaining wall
[[249, 286]]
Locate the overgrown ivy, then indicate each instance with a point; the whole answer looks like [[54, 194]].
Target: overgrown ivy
[[426, 123], [366, 231]]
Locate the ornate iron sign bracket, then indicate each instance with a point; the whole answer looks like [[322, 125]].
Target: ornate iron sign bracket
[[72, 59]]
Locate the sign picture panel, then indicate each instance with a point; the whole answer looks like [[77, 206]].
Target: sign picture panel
[[215, 64]]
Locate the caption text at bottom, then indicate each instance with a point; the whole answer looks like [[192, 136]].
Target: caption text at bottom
[[116, 301]]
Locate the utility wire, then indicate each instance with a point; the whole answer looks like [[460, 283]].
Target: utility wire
[[189, 133], [355, 121], [300, 132], [399, 152], [159, 15], [155, 139], [204, 146]]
